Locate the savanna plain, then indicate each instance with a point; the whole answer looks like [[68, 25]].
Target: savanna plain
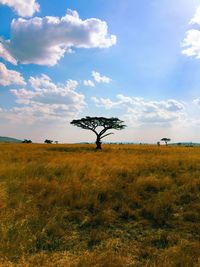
[[127, 205]]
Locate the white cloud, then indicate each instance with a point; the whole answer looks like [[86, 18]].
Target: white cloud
[[105, 102], [23, 8], [48, 101], [196, 18], [43, 82], [8, 77], [197, 101], [4, 53], [44, 41], [99, 78], [140, 111], [88, 83], [191, 43]]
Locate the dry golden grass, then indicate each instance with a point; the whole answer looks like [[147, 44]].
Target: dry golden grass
[[128, 205]]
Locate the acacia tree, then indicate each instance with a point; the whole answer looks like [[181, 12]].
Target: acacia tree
[[166, 140], [26, 141], [47, 141], [99, 126]]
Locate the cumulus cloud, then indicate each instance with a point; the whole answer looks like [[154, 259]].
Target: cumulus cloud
[[44, 41], [88, 83], [8, 77], [43, 81], [99, 78], [105, 102], [45, 100], [23, 8], [5, 54], [191, 43], [196, 17], [197, 101], [139, 110]]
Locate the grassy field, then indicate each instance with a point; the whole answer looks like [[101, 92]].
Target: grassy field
[[128, 205]]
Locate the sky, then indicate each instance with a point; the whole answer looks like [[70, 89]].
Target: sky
[[138, 60]]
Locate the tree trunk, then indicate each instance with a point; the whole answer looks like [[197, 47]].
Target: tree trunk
[[98, 143]]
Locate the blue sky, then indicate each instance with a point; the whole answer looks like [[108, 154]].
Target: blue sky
[[137, 60]]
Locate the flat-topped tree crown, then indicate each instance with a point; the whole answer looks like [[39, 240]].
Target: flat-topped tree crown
[[166, 140], [95, 123]]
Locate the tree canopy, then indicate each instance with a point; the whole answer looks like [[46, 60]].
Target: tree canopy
[[47, 141], [26, 141]]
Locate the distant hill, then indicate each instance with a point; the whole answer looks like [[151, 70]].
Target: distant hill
[[5, 139]]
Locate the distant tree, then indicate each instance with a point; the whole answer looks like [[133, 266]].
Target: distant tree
[[47, 141], [166, 140], [158, 143], [99, 126], [26, 141], [56, 142]]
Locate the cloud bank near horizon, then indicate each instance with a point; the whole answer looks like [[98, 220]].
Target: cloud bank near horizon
[[43, 100], [140, 111], [40, 99]]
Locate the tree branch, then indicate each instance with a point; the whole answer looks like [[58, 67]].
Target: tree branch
[[105, 135], [104, 130]]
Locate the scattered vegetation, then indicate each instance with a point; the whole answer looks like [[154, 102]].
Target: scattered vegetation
[[47, 141], [27, 141], [128, 205]]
